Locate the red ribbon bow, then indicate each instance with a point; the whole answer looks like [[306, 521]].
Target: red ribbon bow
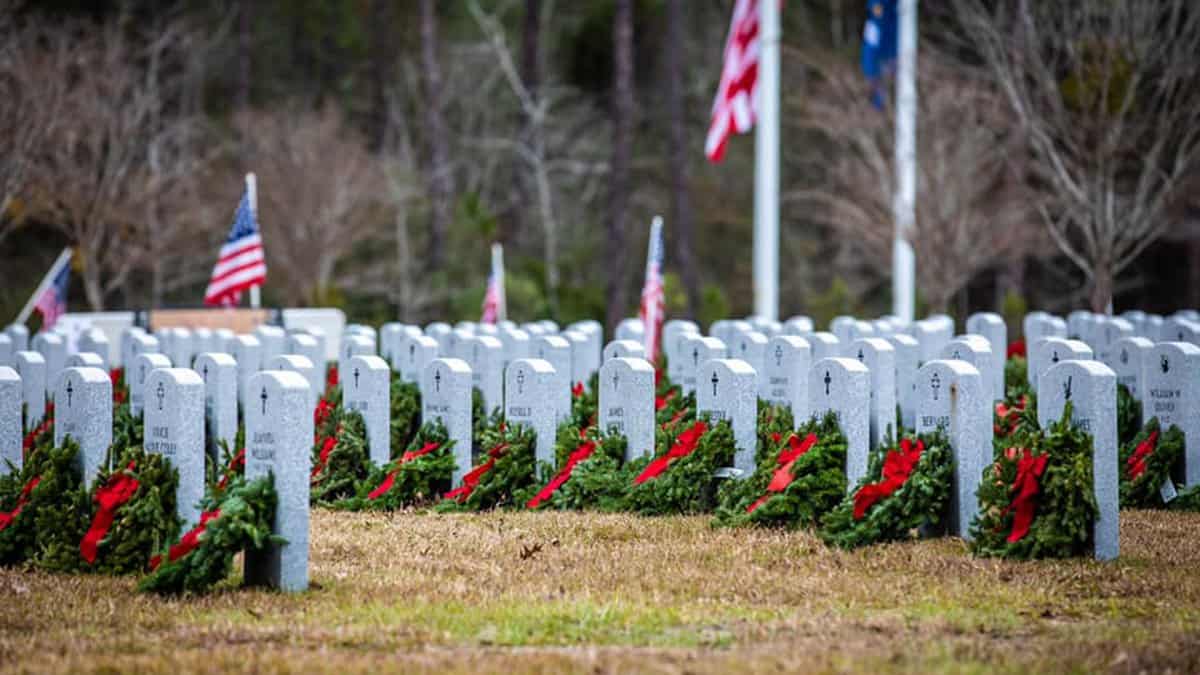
[[6, 518], [685, 445], [189, 542], [1136, 464], [408, 456], [577, 390], [119, 489], [331, 378], [898, 465], [471, 480], [1023, 506], [323, 458], [581, 453], [783, 475]]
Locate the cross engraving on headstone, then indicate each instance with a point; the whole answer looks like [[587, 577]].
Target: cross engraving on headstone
[[263, 396], [520, 381], [206, 373], [1124, 356], [828, 379], [715, 381], [437, 381], [160, 392], [1054, 357], [695, 357], [356, 378], [1067, 388], [778, 356], [935, 384], [617, 380], [1165, 364], [70, 393], [860, 355], [412, 351]]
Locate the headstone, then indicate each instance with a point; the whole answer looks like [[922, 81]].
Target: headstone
[[446, 397], [247, 352], [11, 435], [272, 339], [367, 389], [622, 349], [721, 329], [440, 331], [83, 411], [389, 340], [95, 342], [697, 351], [354, 345], [219, 373], [452, 345], [85, 360], [842, 386], [798, 325], [137, 376], [1047, 352], [487, 371], [751, 347], [31, 367], [175, 429], [1091, 388], [1038, 325], [416, 351], [631, 329], [1170, 386], [549, 326], [133, 344], [929, 336], [977, 351], [627, 403], [307, 346], [53, 349], [1127, 357], [529, 390], [824, 345], [19, 335], [907, 361], [6, 350], [992, 327], [727, 389], [557, 351], [670, 333], [1078, 325], [535, 330], [181, 347], [516, 344], [1112, 329], [223, 339], [203, 340], [1137, 318], [297, 363], [677, 354], [879, 357], [952, 396], [1180, 329], [580, 372], [785, 375], [279, 433]]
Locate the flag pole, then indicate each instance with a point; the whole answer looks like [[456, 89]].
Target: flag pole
[[63, 259], [498, 275], [252, 197], [766, 166], [904, 203]]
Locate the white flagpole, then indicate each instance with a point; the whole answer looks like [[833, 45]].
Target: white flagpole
[[904, 204], [252, 197], [651, 319], [498, 275], [766, 165], [63, 259]]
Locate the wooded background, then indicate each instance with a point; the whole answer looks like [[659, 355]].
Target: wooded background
[[395, 140]]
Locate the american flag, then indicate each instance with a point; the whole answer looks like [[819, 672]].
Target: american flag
[[733, 108], [53, 302], [494, 300], [653, 303], [241, 264]]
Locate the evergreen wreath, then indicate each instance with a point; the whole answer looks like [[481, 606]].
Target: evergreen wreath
[[1016, 378], [417, 477], [405, 401], [680, 480], [340, 459], [120, 388], [905, 488], [505, 474], [592, 472], [674, 408], [585, 402], [1129, 415], [238, 520], [1036, 499], [1014, 419], [799, 477], [1145, 464], [40, 436], [37, 500], [129, 512], [233, 463]]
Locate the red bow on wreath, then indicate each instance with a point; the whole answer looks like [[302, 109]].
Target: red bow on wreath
[[6, 518], [1024, 504], [471, 480], [1136, 464], [580, 453], [119, 489], [898, 465], [661, 402], [236, 464], [408, 456], [783, 475], [577, 390], [686, 444], [189, 542]]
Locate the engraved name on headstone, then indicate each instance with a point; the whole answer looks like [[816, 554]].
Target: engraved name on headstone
[[626, 402], [175, 429], [1170, 387], [528, 399], [446, 397]]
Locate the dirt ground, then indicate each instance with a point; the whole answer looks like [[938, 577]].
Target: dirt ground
[[550, 592]]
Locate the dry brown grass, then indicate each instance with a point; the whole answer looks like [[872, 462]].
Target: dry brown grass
[[547, 592]]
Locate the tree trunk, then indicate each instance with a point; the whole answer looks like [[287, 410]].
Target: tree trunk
[[245, 51], [92, 287], [440, 185], [681, 210], [1102, 288], [380, 71], [618, 198]]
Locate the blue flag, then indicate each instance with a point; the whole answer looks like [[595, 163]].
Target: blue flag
[[880, 40]]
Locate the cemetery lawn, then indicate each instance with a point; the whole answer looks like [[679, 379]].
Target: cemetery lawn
[[538, 592]]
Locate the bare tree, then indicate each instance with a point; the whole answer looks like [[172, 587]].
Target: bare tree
[[317, 186], [440, 176], [1106, 94], [972, 204], [622, 150]]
